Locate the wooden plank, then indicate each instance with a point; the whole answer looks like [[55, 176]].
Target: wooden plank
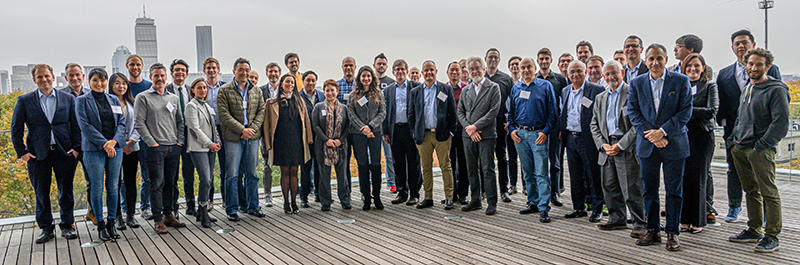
[[219, 246], [160, 244], [13, 246], [26, 246], [211, 252], [250, 249], [143, 234], [5, 239], [126, 243], [192, 252], [59, 253], [89, 253], [75, 251], [258, 246]]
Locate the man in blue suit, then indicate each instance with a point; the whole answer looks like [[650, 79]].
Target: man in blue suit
[[731, 81], [659, 105], [53, 143]]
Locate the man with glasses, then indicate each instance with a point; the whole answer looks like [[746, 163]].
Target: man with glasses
[[180, 70], [633, 53], [397, 133]]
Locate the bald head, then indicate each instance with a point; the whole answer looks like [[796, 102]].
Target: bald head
[[527, 68]]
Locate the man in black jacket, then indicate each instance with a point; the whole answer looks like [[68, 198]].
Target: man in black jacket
[[556, 154], [505, 82]]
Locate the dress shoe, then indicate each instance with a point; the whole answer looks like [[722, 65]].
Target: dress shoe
[[544, 217], [491, 210], [596, 217], [160, 227], [425, 204], [529, 209], [463, 201], [612, 226], [711, 219], [576, 214], [45, 236], [448, 204], [304, 203], [295, 210], [120, 225], [69, 233], [412, 201], [367, 205], [112, 231], [102, 231], [171, 221], [505, 197], [378, 203], [190, 209], [90, 217], [347, 206], [147, 214], [512, 190], [257, 213], [287, 209], [471, 206], [233, 217], [638, 232], [648, 238], [555, 200], [132, 222], [399, 199], [325, 208], [673, 244]]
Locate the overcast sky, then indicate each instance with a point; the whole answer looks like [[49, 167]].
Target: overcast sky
[[323, 32]]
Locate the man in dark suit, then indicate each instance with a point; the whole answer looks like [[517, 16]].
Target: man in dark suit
[[397, 133], [731, 81], [632, 47], [179, 70], [53, 143], [432, 113], [268, 91], [659, 105], [505, 83], [311, 96], [574, 121]]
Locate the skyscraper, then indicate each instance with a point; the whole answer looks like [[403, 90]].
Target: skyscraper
[[204, 47], [118, 59], [146, 41], [21, 78], [3, 82]]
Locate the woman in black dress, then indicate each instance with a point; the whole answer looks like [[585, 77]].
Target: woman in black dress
[[705, 103], [366, 111], [288, 132]]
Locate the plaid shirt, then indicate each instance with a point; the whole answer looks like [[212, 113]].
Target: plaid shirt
[[345, 88]]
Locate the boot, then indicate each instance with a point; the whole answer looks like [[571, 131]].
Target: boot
[[121, 224], [170, 220], [101, 229], [202, 214], [190, 209], [132, 222], [112, 231]]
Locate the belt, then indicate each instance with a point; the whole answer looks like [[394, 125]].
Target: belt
[[615, 137], [529, 128], [430, 130], [401, 124], [52, 147], [576, 134]]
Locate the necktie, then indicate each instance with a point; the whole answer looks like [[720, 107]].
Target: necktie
[[180, 94]]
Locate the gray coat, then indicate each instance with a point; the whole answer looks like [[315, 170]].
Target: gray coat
[[480, 109], [372, 113], [600, 129], [200, 125], [319, 123]]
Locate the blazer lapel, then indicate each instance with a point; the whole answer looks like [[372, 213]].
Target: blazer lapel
[[648, 95], [93, 106], [665, 91], [603, 105], [622, 102]]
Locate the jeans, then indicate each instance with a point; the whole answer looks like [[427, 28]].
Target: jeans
[[204, 164], [144, 197], [245, 153], [389, 160], [104, 172], [535, 170], [162, 164], [513, 170]]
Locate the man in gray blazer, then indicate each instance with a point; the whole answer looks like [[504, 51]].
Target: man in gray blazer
[[477, 112], [615, 137]]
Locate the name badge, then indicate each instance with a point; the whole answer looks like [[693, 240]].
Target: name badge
[[324, 112], [442, 96], [170, 107], [211, 110], [346, 96], [362, 101], [244, 105], [586, 102], [116, 109], [525, 94]]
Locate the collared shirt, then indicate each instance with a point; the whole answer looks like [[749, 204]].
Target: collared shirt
[[430, 105], [479, 85], [611, 112], [601, 82], [400, 100], [345, 87], [213, 92], [183, 91], [532, 105], [631, 73], [657, 85], [273, 90], [48, 104], [457, 88], [678, 67], [69, 90], [573, 105], [741, 76], [244, 100]]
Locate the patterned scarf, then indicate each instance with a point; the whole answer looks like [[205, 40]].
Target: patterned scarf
[[334, 118]]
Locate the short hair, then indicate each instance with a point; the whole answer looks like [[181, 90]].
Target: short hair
[[133, 56], [157, 66], [595, 58], [544, 50], [511, 59], [454, 62], [210, 60], [473, 59], [195, 82], [493, 49], [309, 72], [578, 62], [656, 46], [462, 61], [99, 72], [428, 61], [691, 41], [379, 56], [70, 65], [689, 57], [635, 37], [330, 82], [619, 52], [584, 43], [287, 57], [745, 32], [566, 54], [239, 61], [349, 57], [40, 66], [399, 62], [270, 65], [760, 52], [177, 62], [613, 63]]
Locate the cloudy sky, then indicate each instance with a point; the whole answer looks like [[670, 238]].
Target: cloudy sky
[[323, 32]]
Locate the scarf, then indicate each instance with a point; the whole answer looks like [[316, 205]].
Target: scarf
[[335, 118]]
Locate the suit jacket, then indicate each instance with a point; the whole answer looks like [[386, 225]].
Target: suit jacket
[[600, 129], [28, 112], [265, 92], [729, 92], [590, 91], [231, 114], [172, 88], [642, 70], [705, 103], [390, 97], [91, 126], [130, 121], [480, 109], [370, 114], [445, 112], [271, 123], [674, 112]]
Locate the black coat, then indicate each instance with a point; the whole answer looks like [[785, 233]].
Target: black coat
[[445, 112]]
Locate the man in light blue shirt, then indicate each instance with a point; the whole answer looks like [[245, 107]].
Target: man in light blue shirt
[[397, 132]]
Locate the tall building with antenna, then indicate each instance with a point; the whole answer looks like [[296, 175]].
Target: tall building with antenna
[[204, 47], [146, 40]]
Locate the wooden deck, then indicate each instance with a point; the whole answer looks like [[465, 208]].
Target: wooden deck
[[402, 235]]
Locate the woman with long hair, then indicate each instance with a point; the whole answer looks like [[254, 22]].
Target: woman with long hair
[[288, 132], [367, 110], [119, 86], [202, 143]]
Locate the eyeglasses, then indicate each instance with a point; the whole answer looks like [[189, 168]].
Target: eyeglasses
[[576, 71], [513, 64], [633, 46], [492, 57]]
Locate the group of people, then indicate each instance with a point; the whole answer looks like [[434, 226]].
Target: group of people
[[619, 122]]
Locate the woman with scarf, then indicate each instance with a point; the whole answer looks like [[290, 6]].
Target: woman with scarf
[[330, 122]]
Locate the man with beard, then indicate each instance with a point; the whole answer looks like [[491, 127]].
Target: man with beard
[[139, 85], [504, 83], [555, 150], [584, 50], [270, 90], [292, 62], [380, 65]]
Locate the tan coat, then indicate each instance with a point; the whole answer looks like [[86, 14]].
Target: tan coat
[[271, 122]]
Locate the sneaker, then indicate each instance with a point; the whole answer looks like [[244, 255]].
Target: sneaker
[[733, 214], [268, 200], [147, 214], [767, 245], [745, 237], [393, 189]]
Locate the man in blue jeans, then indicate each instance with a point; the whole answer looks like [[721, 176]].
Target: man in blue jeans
[[531, 118]]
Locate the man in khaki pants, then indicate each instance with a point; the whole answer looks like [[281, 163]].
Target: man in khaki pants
[[432, 113]]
